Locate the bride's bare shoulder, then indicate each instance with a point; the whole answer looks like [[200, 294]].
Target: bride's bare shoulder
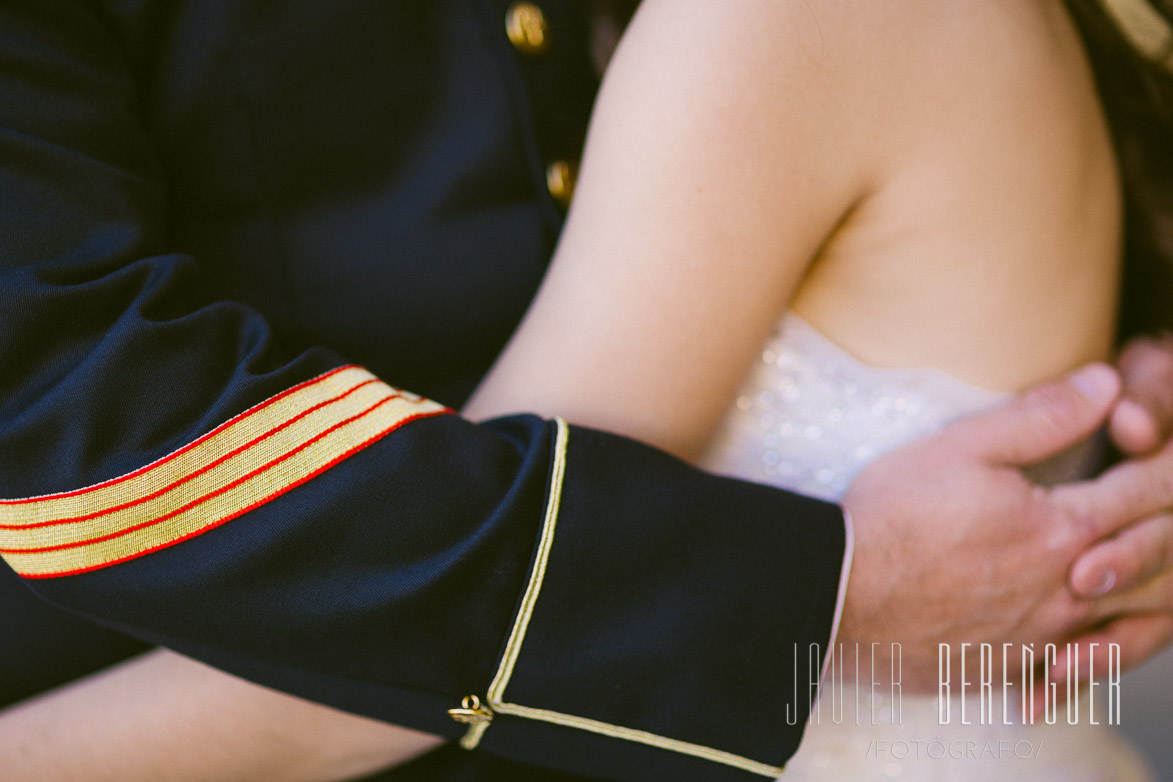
[[908, 60], [892, 69], [997, 194]]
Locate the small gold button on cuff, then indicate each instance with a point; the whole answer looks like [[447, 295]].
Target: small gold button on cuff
[[525, 24], [471, 712], [560, 177]]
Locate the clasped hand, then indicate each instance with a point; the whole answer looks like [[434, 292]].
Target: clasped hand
[[954, 544]]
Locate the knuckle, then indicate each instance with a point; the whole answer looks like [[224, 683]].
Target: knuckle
[[1053, 518], [1051, 407], [1079, 526]]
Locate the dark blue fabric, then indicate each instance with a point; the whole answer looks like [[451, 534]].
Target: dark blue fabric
[[204, 203], [42, 647]]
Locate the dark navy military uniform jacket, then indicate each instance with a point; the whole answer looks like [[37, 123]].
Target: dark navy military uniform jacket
[[230, 233]]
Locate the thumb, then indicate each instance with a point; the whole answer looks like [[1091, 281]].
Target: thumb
[[1044, 420]]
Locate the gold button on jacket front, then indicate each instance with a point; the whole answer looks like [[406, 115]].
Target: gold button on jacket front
[[525, 24]]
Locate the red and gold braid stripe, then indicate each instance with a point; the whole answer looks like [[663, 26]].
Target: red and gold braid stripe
[[245, 462]]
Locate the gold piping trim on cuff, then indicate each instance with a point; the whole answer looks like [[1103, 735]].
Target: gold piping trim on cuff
[[251, 459], [642, 737], [496, 691], [513, 646]]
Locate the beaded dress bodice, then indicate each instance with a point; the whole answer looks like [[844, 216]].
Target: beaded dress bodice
[[810, 415], [808, 418]]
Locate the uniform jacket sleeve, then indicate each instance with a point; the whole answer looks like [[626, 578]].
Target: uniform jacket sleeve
[[179, 472]]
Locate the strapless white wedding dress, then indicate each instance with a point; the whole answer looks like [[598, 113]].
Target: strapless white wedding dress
[[809, 417]]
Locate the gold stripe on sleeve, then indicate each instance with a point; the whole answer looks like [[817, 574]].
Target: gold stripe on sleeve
[[241, 464]]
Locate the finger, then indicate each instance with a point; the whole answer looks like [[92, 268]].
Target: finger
[[1135, 555], [1132, 490], [1129, 639], [1143, 419], [1133, 428], [1155, 596], [1044, 420]]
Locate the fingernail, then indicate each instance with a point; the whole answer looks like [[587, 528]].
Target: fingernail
[[1098, 382], [1106, 582]]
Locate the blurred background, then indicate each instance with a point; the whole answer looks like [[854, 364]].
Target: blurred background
[[1146, 710]]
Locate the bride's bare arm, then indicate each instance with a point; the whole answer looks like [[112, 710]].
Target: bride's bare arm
[[165, 718], [726, 145]]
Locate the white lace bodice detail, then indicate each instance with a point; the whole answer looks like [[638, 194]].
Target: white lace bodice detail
[[809, 417]]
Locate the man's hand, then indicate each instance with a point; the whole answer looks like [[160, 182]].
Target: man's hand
[[954, 544], [1139, 426], [1135, 563]]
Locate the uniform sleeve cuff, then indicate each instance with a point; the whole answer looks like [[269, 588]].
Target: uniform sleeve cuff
[[844, 577], [662, 644]]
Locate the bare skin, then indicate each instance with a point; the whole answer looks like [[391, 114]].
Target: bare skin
[[166, 718], [922, 199], [832, 171]]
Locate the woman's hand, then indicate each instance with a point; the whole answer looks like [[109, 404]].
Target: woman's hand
[[1133, 567], [998, 571]]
